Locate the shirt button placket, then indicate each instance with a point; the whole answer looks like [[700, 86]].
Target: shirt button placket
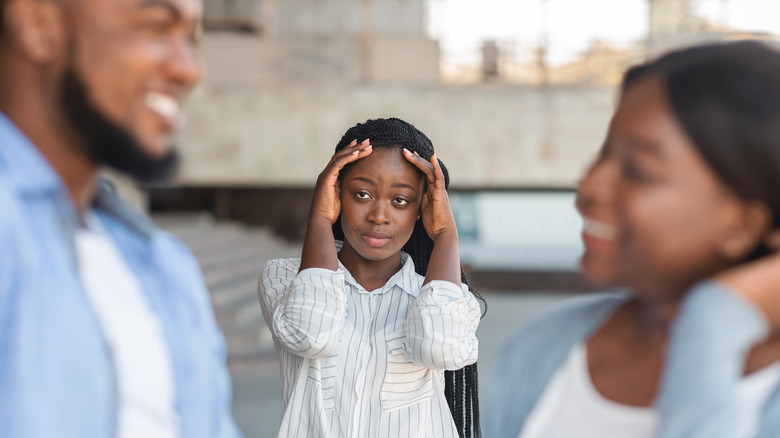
[[360, 382]]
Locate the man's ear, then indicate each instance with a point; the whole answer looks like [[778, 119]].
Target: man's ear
[[36, 29]]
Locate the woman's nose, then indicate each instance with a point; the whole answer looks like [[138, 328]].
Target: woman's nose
[[597, 188], [378, 214]]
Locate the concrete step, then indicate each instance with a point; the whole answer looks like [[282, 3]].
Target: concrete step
[[231, 257]]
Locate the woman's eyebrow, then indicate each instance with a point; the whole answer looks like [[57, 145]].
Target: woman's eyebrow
[[403, 185], [646, 146], [364, 179]]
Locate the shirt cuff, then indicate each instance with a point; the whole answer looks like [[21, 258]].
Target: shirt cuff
[[446, 290], [746, 322], [317, 272]]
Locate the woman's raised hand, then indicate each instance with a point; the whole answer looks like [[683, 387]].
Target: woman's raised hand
[[326, 203], [435, 209], [319, 249], [759, 281]]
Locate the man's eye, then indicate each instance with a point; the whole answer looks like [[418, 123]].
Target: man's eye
[[158, 22]]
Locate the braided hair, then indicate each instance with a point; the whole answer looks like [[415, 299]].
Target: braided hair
[[461, 387], [2, 17]]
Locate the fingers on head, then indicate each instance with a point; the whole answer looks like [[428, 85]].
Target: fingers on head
[[417, 160]]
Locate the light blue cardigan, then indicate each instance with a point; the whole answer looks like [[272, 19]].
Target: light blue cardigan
[[708, 342]]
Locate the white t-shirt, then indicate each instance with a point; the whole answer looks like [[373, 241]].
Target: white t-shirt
[[146, 389], [571, 406]]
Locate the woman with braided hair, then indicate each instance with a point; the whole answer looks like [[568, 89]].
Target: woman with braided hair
[[375, 324]]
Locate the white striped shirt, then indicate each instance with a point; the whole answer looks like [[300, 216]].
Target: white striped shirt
[[366, 364]]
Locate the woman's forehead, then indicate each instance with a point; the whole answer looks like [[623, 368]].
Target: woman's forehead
[[645, 117], [385, 165]]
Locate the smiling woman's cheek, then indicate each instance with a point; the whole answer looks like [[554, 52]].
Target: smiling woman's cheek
[[670, 210]]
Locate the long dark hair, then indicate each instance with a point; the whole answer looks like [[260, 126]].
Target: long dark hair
[[461, 387], [726, 97]]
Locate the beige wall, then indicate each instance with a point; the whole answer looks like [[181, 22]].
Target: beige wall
[[245, 61], [489, 136], [319, 42]]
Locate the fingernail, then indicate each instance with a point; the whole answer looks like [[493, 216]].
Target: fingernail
[[407, 151]]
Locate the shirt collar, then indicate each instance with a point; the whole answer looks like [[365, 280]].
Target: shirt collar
[[106, 199], [23, 163], [406, 278], [28, 170]]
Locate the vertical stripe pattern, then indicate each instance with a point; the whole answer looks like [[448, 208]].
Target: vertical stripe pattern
[[362, 364]]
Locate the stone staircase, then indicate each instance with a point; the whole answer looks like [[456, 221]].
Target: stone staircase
[[231, 257]]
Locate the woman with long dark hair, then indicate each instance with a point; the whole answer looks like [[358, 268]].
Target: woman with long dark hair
[[682, 208], [375, 324]]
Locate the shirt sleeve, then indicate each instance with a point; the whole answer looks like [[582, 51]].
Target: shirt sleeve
[[306, 310], [708, 343], [441, 327]]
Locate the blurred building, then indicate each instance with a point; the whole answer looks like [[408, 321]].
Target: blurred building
[[318, 42], [285, 78], [672, 23], [601, 64]]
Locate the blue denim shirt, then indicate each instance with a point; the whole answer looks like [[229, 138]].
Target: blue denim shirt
[[57, 377], [708, 342]]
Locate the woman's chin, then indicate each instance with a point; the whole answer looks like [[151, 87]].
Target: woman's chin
[[597, 271]]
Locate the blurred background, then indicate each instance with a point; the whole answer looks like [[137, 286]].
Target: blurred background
[[515, 94]]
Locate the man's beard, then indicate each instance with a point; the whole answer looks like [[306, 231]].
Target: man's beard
[[107, 144]]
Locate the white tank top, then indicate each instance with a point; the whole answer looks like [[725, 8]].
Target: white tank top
[[571, 406]]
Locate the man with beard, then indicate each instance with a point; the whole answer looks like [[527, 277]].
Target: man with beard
[[105, 325]]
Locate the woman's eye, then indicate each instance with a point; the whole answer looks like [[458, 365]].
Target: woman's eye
[[362, 195], [400, 201], [635, 173]]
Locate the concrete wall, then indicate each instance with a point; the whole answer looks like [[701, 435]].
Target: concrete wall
[[489, 136], [318, 42], [245, 61], [339, 17]]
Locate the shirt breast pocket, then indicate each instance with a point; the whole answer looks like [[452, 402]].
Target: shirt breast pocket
[[322, 373], [405, 383]]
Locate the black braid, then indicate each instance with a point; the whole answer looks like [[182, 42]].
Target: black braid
[[461, 387], [469, 405], [2, 17], [458, 410]]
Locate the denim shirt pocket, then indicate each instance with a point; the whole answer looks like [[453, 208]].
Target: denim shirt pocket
[[405, 382]]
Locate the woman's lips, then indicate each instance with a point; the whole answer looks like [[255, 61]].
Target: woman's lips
[[376, 240]]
